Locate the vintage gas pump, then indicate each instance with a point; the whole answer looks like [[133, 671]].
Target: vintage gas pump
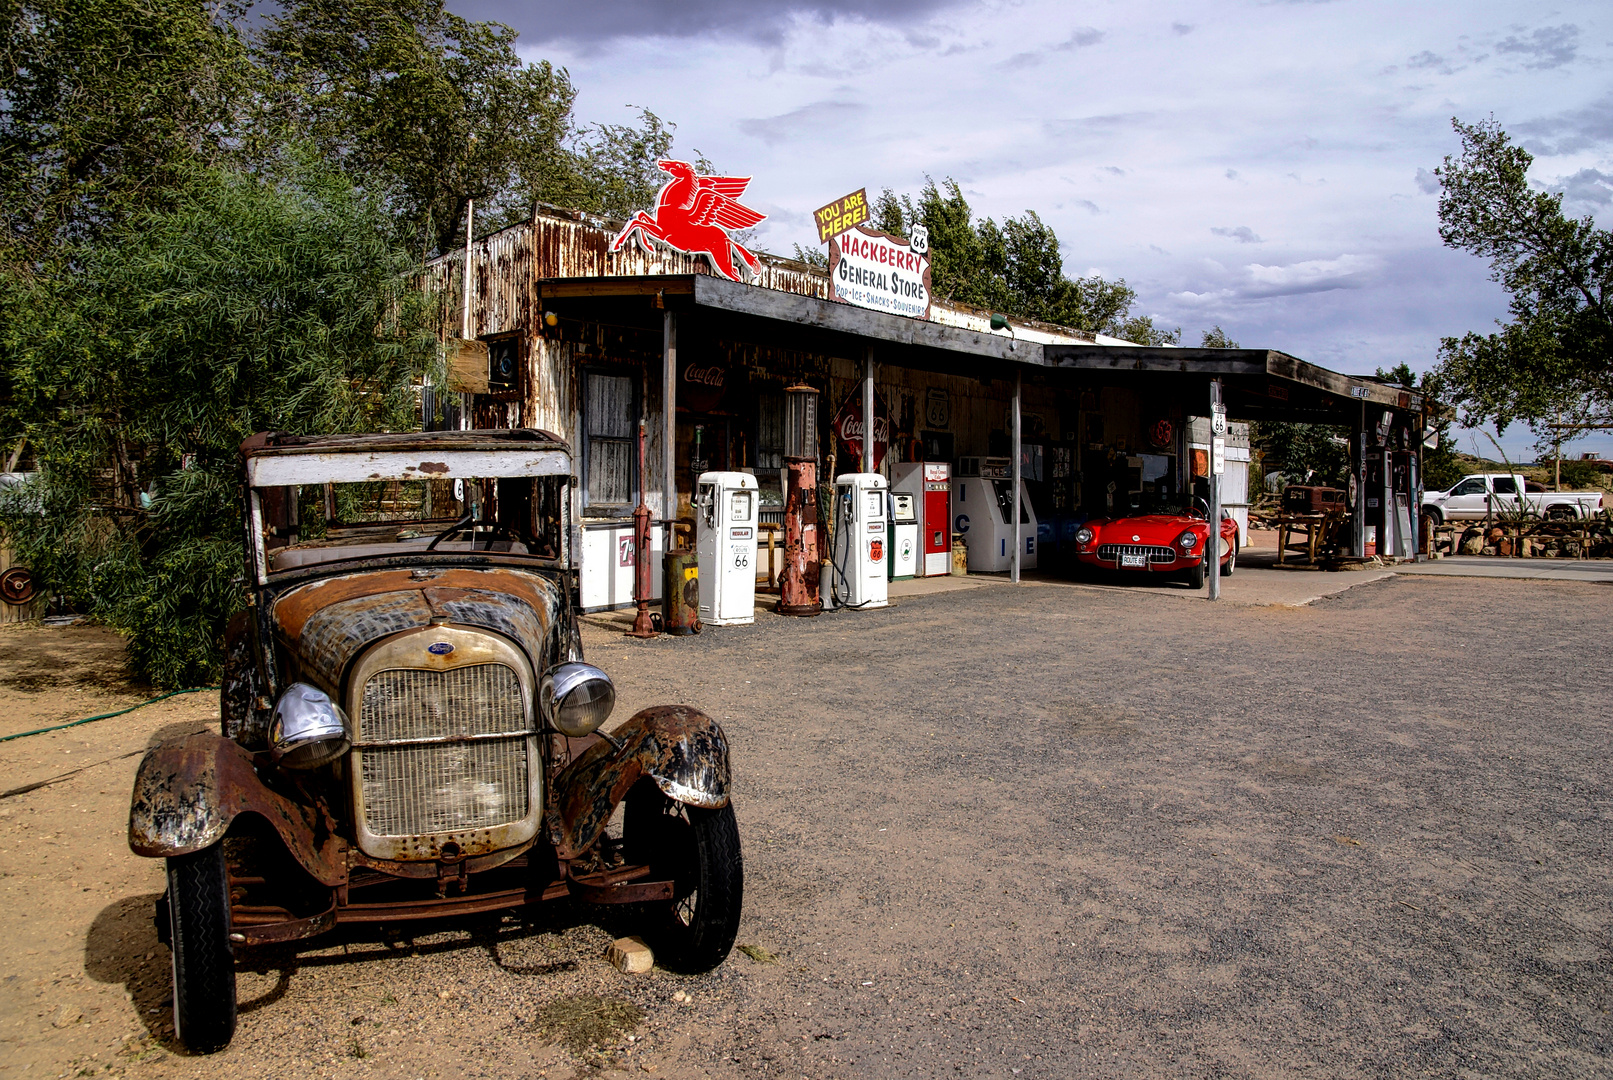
[[930, 482], [725, 543], [904, 535], [798, 582], [859, 541]]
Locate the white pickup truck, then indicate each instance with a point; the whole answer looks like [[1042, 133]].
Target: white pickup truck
[[1483, 495]]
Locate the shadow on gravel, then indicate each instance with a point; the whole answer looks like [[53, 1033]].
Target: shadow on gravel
[[122, 948]]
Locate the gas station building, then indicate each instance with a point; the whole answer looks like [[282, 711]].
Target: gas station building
[[591, 344]]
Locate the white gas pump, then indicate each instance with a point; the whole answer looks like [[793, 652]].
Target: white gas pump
[[982, 512], [860, 556], [904, 555], [725, 546]]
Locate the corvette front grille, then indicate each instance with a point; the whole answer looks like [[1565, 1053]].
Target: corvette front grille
[[1112, 552], [443, 751]]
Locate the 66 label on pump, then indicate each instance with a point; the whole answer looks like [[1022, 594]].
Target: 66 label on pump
[[742, 553]]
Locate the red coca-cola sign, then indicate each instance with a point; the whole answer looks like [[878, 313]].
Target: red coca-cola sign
[[702, 386], [848, 428]]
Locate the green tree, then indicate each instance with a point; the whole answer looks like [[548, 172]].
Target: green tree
[[1553, 361], [424, 108], [106, 106], [1014, 268], [253, 304]]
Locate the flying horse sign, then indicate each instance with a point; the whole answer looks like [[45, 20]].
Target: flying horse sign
[[693, 215]]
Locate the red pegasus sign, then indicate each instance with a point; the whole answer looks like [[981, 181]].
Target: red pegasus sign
[[693, 215]]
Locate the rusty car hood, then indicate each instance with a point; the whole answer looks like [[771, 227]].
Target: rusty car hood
[[325, 624]]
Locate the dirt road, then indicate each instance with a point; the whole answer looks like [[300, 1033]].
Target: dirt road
[[1034, 832]]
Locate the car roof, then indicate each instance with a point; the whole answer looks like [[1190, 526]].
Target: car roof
[[276, 443]]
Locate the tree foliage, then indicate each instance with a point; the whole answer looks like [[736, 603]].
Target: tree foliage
[[1554, 359], [1014, 268], [255, 303], [105, 108], [422, 107]]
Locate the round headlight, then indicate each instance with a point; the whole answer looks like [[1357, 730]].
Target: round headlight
[[308, 730], [1083, 535], [1189, 540], [576, 698]]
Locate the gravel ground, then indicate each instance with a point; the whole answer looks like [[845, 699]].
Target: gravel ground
[[1034, 832]]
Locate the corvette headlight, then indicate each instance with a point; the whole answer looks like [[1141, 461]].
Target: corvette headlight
[[308, 730], [576, 698], [1188, 540], [1083, 535]]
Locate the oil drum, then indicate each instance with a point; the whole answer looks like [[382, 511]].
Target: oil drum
[[680, 592]]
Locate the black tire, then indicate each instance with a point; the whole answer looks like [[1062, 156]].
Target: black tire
[[1560, 513], [1195, 576], [698, 850], [1435, 515], [1231, 565], [198, 904]]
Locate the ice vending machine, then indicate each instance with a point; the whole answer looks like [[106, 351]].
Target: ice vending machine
[[904, 535], [929, 482], [725, 545], [859, 541], [982, 511]]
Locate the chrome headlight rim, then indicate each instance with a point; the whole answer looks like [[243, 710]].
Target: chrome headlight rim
[[559, 703], [308, 730], [1188, 541], [1084, 536]]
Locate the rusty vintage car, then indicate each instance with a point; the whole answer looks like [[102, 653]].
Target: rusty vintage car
[[409, 730]]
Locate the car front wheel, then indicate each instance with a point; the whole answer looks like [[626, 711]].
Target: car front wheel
[[198, 909], [1195, 576], [698, 850]]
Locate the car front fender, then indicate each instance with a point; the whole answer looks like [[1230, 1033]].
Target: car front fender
[[680, 748], [188, 792]]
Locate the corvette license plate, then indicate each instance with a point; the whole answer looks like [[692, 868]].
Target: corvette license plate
[[1129, 560]]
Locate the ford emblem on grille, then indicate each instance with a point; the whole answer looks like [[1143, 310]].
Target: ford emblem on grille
[[439, 648]]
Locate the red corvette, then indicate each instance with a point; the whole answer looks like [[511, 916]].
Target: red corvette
[[1169, 541]]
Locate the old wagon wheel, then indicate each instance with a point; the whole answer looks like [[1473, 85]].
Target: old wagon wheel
[[18, 586]]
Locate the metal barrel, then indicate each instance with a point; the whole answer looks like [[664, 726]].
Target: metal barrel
[[680, 593]]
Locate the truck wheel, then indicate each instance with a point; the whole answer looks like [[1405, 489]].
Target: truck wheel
[[1559, 513], [198, 904], [1435, 515], [698, 850], [1195, 576]]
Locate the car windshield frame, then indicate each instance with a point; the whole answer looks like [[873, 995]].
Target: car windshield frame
[[300, 468]]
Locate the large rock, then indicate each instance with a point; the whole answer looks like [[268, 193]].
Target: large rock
[[1472, 545]]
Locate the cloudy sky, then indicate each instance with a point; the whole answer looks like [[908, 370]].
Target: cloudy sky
[[1264, 166]]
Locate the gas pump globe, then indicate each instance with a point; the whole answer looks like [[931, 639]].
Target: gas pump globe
[[800, 422]]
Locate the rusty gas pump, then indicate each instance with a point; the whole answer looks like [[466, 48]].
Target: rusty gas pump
[[803, 548], [643, 587]]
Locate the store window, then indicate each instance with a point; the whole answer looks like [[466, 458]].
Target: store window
[[770, 446], [611, 408]]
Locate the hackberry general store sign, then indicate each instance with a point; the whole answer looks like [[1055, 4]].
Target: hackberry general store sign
[[876, 270]]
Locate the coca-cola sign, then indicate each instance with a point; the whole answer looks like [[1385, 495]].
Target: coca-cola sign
[[848, 427], [702, 386]]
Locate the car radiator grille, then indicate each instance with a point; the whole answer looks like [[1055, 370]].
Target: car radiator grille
[[1112, 552], [476, 779]]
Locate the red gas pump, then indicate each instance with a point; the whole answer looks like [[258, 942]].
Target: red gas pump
[[798, 583]]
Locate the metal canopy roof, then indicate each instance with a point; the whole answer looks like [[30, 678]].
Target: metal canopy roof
[[1264, 382]]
